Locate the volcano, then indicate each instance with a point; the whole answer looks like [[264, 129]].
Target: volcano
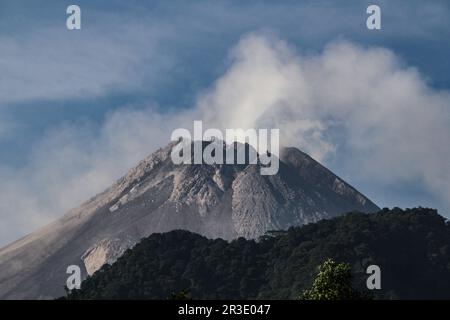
[[218, 201]]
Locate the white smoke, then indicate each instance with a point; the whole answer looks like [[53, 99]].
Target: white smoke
[[362, 101]]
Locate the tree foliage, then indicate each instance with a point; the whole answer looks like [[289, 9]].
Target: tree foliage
[[333, 282]]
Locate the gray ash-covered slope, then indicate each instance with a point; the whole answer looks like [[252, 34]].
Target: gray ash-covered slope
[[226, 201]]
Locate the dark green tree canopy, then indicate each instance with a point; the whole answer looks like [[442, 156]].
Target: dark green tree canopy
[[412, 248]]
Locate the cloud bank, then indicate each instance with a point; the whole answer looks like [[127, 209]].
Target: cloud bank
[[360, 105]]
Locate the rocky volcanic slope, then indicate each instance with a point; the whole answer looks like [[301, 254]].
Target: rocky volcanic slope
[[225, 201]]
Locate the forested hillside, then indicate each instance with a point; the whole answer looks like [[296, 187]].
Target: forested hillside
[[412, 248]]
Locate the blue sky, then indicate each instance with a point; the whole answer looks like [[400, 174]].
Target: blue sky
[[64, 94]]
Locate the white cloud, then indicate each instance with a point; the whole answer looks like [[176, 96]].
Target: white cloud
[[360, 102], [56, 64]]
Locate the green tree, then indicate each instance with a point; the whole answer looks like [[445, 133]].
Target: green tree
[[333, 282]]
